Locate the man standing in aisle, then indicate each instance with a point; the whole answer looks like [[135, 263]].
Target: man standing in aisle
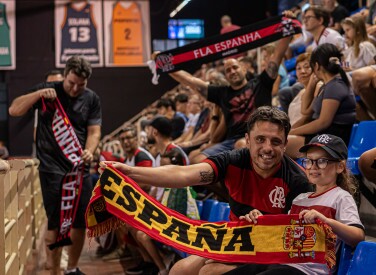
[[82, 108]]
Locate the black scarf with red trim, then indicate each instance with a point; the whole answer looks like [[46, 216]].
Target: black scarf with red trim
[[222, 46], [70, 146]]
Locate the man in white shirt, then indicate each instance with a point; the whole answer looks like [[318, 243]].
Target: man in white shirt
[[316, 21]]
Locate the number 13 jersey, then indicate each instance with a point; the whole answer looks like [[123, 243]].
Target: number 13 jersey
[[79, 34]]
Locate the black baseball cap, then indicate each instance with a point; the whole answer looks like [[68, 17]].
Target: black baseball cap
[[333, 145], [162, 125]]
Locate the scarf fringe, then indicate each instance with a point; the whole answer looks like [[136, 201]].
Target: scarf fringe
[[107, 226]]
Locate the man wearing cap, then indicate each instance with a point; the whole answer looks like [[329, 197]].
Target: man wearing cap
[[159, 133], [259, 178]]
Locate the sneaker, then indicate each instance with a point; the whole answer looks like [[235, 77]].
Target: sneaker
[[118, 254], [143, 268], [77, 272]]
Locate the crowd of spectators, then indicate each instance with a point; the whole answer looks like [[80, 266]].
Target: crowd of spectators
[[330, 87]]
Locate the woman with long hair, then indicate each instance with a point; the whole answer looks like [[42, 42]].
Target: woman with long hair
[[332, 109], [360, 51]]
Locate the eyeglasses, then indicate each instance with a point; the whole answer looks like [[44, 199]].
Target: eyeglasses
[[321, 163], [306, 18]]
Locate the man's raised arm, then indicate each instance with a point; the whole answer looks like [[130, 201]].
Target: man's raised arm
[[172, 176], [187, 79], [279, 53]]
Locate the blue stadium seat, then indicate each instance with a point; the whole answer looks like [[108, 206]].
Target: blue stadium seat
[[363, 261], [290, 64], [299, 50], [222, 209], [200, 206], [344, 259], [362, 139], [210, 206]]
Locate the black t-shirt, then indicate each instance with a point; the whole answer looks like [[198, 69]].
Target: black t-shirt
[[237, 105], [82, 111], [247, 190]]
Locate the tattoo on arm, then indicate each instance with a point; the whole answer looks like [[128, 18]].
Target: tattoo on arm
[[272, 69], [206, 176]]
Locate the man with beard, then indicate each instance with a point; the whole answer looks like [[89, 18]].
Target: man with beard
[[238, 100], [259, 178]]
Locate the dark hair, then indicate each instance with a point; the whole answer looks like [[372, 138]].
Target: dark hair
[[183, 98], [270, 114], [129, 128], [320, 12], [175, 157], [165, 102], [52, 72], [79, 66], [329, 57]]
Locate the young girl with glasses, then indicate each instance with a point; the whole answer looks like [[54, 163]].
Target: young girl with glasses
[[332, 202]]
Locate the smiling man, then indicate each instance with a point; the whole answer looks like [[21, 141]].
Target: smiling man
[[259, 178], [238, 100], [82, 107]]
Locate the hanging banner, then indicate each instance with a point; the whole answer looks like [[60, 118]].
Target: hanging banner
[[78, 31], [127, 33], [222, 46], [117, 199], [7, 35]]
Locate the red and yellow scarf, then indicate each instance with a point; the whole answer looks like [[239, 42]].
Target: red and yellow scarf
[[117, 199]]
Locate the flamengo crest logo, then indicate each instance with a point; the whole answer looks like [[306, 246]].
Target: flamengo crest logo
[[324, 139], [277, 197], [164, 62], [287, 27]]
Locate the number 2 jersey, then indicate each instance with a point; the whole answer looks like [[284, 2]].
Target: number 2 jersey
[[79, 34]]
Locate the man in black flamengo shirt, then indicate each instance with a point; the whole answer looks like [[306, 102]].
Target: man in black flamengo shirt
[[83, 109], [259, 179]]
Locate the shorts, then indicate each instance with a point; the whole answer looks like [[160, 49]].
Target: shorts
[[51, 191], [226, 145]]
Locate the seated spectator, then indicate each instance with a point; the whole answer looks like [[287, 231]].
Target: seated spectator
[[200, 133], [332, 202], [303, 73], [333, 109], [337, 14], [194, 109], [364, 83], [166, 107], [360, 52], [367, 165], [181, 102], [316, 20]]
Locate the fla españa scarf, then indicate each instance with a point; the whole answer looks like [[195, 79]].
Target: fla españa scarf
[[225, 45], [70, 146], [117, 199]]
